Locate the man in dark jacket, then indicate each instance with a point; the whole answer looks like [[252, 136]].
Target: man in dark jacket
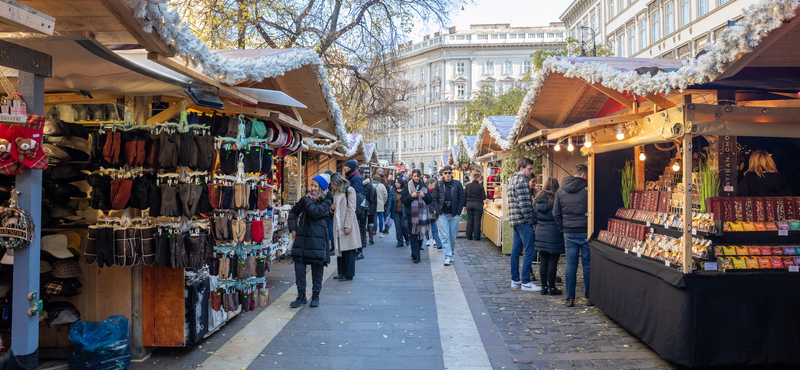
[[371, 195], [350, 172], [569, 211], [448, 203], [308, 222], [475, 196]]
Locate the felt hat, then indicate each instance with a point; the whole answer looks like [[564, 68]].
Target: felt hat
[[352, 164], [323, 180], [73, 240], [56, 245], [44, 267]]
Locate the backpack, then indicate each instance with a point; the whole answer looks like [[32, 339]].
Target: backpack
[[361, 203]]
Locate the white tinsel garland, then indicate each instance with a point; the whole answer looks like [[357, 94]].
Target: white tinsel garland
[[158, 16], [488, 125], [759, 19], [469, 147]]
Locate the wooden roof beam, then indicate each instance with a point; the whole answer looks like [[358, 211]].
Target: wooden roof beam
[[613, 94], [569, 104], [149, 40], [170, 112], [660, 101], [26, 18]]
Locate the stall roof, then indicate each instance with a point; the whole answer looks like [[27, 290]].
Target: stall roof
[[498, 129], [468, 142], [571, 90]]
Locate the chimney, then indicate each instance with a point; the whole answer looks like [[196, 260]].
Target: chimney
[[452, 30]]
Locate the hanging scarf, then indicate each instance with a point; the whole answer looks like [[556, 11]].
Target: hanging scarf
[[420, 219]]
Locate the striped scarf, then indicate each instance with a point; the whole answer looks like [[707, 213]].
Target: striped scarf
[[420, 219]]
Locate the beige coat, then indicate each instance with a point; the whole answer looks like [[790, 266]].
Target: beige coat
[[345, 217]]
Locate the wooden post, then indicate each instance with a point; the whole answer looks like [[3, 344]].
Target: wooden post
[[24, 328], [639, 168], [687, 202], [590, 202]]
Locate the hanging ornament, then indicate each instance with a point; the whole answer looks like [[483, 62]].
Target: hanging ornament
[[16, 225]]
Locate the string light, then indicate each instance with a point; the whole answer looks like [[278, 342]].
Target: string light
[[587, 141], [642, 157], [620, 135], [676, 166], [570, 147], [558, 146]]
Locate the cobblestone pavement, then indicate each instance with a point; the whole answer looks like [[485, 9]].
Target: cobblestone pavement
[[540, 332]]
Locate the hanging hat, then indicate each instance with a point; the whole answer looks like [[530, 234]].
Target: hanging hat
[[323, 180], [73, 241], [56, 245], [44, 267]]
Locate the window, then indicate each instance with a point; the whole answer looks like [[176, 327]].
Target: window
[[436, 70], [610, 9], [512, 36], [495, 36], [612, 45], [531, 35], [703, 7], [422, 75], [461, 91], [491, 87], [422, 96], [460, 37], [433, 140], [685, 14], [503, 37], [508, 68], [412, 142], [488, 68], [631, 40], [551, 35], [396, 144], [421, 141], [526, 66], [594, 22], [483, 37], [421, 117], [404, 143], [506, 86], [670, 20], [460, 67], [621, 46], [620, 6], [643, 34], [656, 23], [435, 93], [434, 115], [722, 2]]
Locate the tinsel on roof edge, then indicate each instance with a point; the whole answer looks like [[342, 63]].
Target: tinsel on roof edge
[[159, 16], [470, 149], [759, 19], [495, 134], [349, 151]]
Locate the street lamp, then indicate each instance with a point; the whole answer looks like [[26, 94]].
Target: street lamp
[[594, 45]]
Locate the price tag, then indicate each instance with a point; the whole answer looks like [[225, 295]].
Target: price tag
[[783, 232], [627, 251], [710, 266], [666, 263], [728, 188], [694, 231], [652, 230], [638, 254], [648, 223], [794, 268]]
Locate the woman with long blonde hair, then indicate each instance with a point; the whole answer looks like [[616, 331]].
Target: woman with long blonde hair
[[762, 178]]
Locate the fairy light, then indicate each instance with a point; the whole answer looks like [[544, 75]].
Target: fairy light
[[587, 142], [558, 146], [676, 166], [569, 146], [620, 135]]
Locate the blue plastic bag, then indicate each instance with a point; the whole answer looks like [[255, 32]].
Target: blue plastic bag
[[101, 345]]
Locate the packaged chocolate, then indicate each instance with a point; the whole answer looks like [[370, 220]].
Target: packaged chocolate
[[797, 261], [770, 209], [739, 263], [794, 225], [760, 210], [789, 251], [766, 251], [748, 210], [752, 262], [742, 250], [718, 251], [776, 262], [780, 209], [777, 251], [748, 226], [790, 209], [738, 209], [760, 226], [783, 225], [771, 226], [788, 261], [753, 250], [764, 263], [737, 226], [729, 250], [797, 250], [726, 226], [727, 209], [796, 201], [725, 263]]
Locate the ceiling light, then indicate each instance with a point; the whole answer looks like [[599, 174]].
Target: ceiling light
[[570, 147], [620, 135], [642, 157], [558, 146]]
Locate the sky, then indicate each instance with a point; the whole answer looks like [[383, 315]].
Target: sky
[[516, 12]]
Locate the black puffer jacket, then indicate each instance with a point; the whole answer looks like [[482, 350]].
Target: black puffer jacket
[[371, 195], [571, 205], [309, 220], [457, 197], [548, 237]]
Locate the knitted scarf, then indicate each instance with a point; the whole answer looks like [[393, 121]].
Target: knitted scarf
[[420, 219]]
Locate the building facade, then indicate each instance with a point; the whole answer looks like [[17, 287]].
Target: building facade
[[652, 28], [444, 70]]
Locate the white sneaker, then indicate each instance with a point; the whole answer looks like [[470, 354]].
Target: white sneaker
[[381, 235], [531, 287], [448, 261], [516, 284]]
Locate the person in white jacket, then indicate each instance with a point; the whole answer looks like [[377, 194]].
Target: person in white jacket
[[382, 195]]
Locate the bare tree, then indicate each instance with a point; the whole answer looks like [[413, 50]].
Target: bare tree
[[355, 39]]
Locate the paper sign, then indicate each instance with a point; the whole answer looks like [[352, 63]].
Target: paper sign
[[666, 263], [694, 231], [783, 232], [652, 230], [627, 251], [710, 266], [648, 223], [794, 268], [728, 188], [638, 254]]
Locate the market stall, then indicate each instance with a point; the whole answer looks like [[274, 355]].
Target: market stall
[[491, 147], [146, 157], [696, 254]]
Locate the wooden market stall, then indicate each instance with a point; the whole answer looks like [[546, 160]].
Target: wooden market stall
[[491, 147], [692, 291], [152, 83]]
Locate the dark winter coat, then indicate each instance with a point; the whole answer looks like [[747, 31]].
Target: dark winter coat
[[571, 205], [457, 197], [356, 181], [474, 192], [391, 201], [406, 198], [309, 219], [771, 185], [548, 237], [371, 195]]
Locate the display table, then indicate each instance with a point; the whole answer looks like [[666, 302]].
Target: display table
[[699, 319], [492, 226]]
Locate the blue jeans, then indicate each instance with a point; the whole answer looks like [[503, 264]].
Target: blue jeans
[[523, 239], [576, 243], [379, 223], [435, 232], [448, 226]]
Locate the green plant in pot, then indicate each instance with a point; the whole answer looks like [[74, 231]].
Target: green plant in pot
[[707, 179], [628, 182]]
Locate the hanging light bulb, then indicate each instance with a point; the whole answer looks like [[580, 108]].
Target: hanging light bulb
[[676, 166], [620, 135], [558, 146], [569, 146], [587, 142], [642, 156]]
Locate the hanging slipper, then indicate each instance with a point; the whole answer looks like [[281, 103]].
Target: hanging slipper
[[27, 148]]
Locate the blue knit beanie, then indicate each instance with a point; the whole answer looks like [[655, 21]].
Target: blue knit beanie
[[323, 180]]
